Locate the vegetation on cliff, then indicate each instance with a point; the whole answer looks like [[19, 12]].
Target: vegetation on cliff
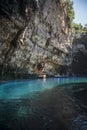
[[68, 6]]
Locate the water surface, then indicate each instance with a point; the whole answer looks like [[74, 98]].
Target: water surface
[[52, 104]]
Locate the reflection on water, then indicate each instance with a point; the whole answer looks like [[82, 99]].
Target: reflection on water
[[52, 104], [19, 89]]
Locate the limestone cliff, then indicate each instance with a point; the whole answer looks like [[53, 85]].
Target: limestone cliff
[[79, 54], [34, 38]]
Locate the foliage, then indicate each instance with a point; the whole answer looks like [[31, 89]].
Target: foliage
[[78, 27], [68, 6], [85, 27]]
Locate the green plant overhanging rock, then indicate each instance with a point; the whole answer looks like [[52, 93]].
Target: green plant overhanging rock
[[68, 6]]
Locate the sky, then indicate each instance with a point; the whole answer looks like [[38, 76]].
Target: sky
[[80, 9]]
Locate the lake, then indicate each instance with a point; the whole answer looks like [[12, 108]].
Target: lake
[[44, 104]]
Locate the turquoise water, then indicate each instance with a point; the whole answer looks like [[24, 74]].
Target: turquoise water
[[51, 104], [19, 89]]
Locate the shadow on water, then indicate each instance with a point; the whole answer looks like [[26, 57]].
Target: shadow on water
[[59, 108]]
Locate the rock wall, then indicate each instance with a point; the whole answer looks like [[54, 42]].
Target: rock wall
[[34, 38], [79, 54]]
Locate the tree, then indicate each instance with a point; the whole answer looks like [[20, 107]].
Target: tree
[[85, 27], [78, 27], [68, 6]]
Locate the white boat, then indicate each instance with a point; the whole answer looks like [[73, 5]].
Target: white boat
[[60, 76]]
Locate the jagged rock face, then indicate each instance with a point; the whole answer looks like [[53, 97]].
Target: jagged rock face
[[33, 33], [79, 54]]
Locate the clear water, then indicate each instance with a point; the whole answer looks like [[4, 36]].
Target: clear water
[[51, 104], [19, 89]]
